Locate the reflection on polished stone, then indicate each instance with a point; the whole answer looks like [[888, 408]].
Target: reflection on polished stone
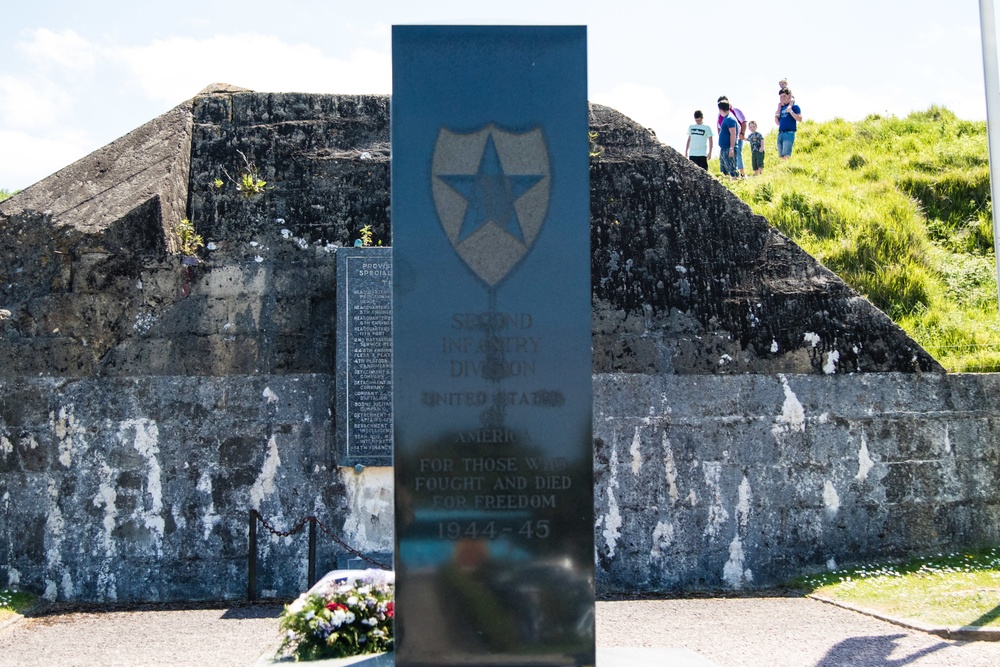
[[493, 453]]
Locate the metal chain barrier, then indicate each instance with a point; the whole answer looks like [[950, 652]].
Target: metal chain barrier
[[279, 533], [256, 516], [349, 548]]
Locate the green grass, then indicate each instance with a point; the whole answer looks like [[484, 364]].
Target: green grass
[[4, 194], [958, 589], [900, 209], [13, 602]]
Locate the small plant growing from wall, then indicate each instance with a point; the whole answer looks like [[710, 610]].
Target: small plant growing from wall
[[190, 241], [248, 183], [366, 235], [366, 239], [595, 150]]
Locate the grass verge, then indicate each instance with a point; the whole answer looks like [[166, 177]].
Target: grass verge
[[958, 589], [13, 602]]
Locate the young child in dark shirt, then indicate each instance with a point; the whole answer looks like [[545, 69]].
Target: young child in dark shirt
[[756, 140]]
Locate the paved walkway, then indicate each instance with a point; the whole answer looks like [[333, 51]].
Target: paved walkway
[[730, 632], [781, 632]]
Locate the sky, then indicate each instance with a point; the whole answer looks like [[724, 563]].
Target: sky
[[75, 76]]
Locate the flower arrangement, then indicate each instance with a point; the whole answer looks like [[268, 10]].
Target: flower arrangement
[[339, 618]]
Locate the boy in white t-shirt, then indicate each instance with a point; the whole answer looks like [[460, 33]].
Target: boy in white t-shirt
[[699, 143]]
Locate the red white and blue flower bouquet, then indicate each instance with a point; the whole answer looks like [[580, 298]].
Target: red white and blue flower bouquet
[[348, 612]]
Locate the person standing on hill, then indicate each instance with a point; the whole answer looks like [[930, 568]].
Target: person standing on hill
[[699, 142], [727, 141], [786, 118], [756, 140], [741, 128]]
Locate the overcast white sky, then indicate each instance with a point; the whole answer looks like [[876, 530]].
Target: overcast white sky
[[75, 76]]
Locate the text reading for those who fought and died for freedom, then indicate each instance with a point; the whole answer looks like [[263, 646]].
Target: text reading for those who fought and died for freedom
[[492, 346]]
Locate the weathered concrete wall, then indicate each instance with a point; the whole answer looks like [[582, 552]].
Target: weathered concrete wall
[[99, 294], [146, 406], [140, 488], [113, 346], [743, 481], [148, 166], [685, 278], [325, 159], [74, 248]]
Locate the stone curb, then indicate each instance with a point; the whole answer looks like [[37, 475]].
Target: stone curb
[[644, 656], [36, 605], [13, 620], [371, 660], [958, 632]]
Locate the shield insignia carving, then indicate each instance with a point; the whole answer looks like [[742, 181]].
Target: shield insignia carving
[[491, 191]]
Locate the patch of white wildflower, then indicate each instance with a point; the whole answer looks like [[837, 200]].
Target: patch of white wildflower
[[950, 589], [943, 564]]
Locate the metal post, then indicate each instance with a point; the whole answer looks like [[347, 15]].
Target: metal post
[[312, 551], [988, 27], [252, 559]]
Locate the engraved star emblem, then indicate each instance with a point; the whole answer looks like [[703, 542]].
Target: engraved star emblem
[[491, 194]]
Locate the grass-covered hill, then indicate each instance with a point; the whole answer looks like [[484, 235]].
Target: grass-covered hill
[[900, 209]]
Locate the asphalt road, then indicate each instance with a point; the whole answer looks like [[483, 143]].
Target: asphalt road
[[781, 632], [726, 632]]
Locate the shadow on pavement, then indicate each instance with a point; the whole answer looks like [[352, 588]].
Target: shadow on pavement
[[257, 611], [872, 652], [233, 609]]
